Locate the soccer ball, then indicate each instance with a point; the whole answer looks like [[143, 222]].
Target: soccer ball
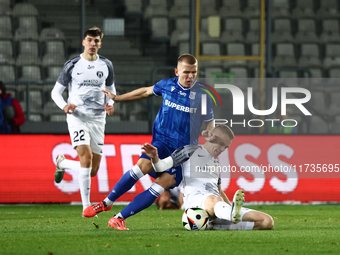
[[195, 219]]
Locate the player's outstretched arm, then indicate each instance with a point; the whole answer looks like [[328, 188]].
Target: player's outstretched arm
[[207, 133], [133, 95], [160, 165]]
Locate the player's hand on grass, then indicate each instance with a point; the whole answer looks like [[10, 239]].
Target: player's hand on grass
[[150, 151], [69, 109], [109, 109], [110, 94]]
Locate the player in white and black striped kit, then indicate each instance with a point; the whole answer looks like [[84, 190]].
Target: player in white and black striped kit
[[86, 108], [202, 183]]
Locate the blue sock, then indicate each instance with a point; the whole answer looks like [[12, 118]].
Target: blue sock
[[142, 201], [124, 184]]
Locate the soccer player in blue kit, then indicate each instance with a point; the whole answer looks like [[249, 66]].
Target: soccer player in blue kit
[[177, 123]]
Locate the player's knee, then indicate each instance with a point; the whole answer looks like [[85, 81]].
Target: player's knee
[[145, 166], [270, 222], [267, 222]]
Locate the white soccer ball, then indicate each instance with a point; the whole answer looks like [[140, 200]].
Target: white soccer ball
[[195, 219]]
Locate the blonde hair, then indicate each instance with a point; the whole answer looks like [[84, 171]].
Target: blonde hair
[[187, 58], [227, 130]]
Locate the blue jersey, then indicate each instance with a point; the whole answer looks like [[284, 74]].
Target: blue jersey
[[179, 119]]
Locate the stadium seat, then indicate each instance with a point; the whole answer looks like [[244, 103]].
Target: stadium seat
[[330, 31], [285, 55], [282, 31], [180, 8], [207, 72], [208, 8], [253, 9], [317, 125], [332, 55], [287, 74], [328, 9], [182, 30], [183, 47], [36, 117], [24, 9], [319, 102], [31, 73], [29, 47], [133, 6], [24, 34], [211, 48], [235, 49], [35, 99], [310, 56], [239, 72], [6, 28], [51, 34], [233, 30], [253, 34], [280, 8], [6, 59], [5, 7], [304, 9], [51, 59], [7, 73], [53, 73], [306, 31], [55, 47], [113, 118], [29, 22], [160, 29], [156, 8], [316, 73], [210, 29], [230, 8], [29, 54], [6, 46]]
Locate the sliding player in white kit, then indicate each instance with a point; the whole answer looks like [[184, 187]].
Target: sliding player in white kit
[[202, 182], [85, 75]]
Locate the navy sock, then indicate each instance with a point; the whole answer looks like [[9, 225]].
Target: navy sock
[[140, 202], [123, 185]]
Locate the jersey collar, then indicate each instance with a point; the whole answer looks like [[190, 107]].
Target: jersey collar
[[184, 87]]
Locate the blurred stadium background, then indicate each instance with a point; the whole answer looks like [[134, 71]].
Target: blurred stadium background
[[288, 42]]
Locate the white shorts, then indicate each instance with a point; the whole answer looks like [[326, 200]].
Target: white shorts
[[195, 200], [89, 133]]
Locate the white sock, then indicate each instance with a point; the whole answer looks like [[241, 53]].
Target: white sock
[[85, 186], [71, 164], [108, 202], [222, 210], [137, 173]]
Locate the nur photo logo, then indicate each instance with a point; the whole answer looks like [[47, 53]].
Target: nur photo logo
[[238, 106]]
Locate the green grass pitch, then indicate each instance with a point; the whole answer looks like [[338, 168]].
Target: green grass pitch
[[60, 229]]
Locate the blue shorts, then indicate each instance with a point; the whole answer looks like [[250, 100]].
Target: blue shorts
[[164, 152]]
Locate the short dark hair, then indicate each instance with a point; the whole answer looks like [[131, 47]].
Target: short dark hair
[[227, 130], [188, 58], [94, 31]]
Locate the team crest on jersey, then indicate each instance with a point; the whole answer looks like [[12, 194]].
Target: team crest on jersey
[[172, 88], [90, 67], [100, 74], [192, 95]]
